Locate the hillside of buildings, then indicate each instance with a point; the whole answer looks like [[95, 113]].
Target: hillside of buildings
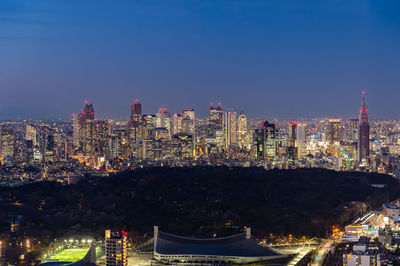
[[197, 201]]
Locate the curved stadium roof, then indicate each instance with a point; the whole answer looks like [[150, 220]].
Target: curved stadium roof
[[237, 246]]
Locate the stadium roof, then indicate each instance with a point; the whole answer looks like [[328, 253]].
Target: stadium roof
[[237, 246]]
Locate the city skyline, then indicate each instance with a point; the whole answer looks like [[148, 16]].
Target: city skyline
[[267, 58], [201, 113]]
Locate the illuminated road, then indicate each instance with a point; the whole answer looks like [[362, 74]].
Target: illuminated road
[[322, 252]]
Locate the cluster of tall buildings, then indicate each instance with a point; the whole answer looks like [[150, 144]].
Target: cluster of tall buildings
[[222, 137]]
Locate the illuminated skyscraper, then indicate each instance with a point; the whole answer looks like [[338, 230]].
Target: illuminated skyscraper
[[31, 134], [242, 130], [75, 128], [188, 122], [176, 123], [163, 119], [230, 128], [292, 134], [87, 129], [363, 132], [136, 123], [334, 131], [270, 135], [258, 139], [216, 117], [352, 130], [7, 143], [136, 111], [301, 140]]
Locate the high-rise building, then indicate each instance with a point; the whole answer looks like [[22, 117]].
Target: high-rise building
[[351, 131], [102, 134], [136, 112], [188, 113], [176, 123], [31, 134], [188, 122], [258, 139], [116, 248], [7, 144], [334, 131], [75, 128], [270, 136], [216, 117], [86, 130], [301, 140], [136, 123], [242, 130], [363, 132], [292, 134], [230, 129], [163, 119], [183, 146]]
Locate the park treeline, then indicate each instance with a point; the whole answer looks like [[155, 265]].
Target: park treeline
[[198, 201]]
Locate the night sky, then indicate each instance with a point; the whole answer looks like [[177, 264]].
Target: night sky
[[273, 58]]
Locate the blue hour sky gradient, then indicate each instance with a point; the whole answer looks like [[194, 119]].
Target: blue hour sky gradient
[[272, 58]]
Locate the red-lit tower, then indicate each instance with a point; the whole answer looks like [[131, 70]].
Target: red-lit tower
[[136, 111], [86, 131], [88, 111], [363, 132]]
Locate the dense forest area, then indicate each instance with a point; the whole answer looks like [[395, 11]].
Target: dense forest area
[[196, 201]]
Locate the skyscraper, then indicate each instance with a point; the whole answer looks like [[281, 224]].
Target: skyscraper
[[136, 111], [270, 134], [216, 117], [292, 134], [163, 119], [301, 140], [363, 132], [136, 123], [334, 131], [242, 130], [230, 128]]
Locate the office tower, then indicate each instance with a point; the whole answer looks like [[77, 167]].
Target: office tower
[[301, 140], [136, 112], [334, 131], [230, 128], [7, 144], [86, 130], [102, 132], [216, 117], [352, 130], [188, 113], [75, 128], [188, 122], [30, 134], [137, 125], [270, 135], [163, 119], [114, 146], [292, 134], [176, 123], [363, 132], [291, 149], [183, 146], [258, 139], [242, 130], [116, 252], [150, 122]]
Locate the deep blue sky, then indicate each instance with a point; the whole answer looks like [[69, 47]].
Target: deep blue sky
[[269, 58]]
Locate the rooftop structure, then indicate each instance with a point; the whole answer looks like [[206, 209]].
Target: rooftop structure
[[238, 249]]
